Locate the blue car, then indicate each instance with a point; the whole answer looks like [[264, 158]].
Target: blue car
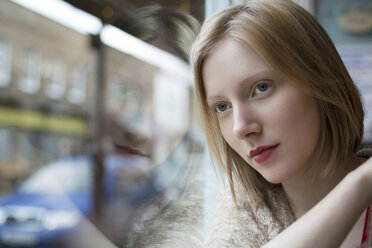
[[49, 208]]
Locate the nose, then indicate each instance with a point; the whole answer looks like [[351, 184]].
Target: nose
[[246, 123]]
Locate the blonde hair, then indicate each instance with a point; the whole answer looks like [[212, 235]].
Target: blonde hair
[[294, 44]]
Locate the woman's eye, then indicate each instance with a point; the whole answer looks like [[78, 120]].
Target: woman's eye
[[261, 88], [221, 107]]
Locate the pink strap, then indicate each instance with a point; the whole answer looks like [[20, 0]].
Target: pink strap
[[366, 231]]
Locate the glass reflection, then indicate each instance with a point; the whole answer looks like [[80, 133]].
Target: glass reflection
[[151, 145]]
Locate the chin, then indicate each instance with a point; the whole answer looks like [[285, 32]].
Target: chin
[[274, 179]]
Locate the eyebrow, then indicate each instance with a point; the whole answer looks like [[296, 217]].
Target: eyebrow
[[212, 100], [263, 74]]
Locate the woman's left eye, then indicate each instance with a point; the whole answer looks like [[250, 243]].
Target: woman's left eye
[[261, 88]]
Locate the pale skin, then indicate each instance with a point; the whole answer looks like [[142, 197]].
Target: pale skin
[[256, 108]]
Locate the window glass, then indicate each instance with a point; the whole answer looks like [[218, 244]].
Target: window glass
[[29, 81], [102, 139], [78, 86], [56, 85], [6, 145], [5, 62]]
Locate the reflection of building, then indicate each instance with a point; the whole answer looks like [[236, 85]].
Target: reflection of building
[[159, 98], [128, 88], [48, 76], [47, 73]]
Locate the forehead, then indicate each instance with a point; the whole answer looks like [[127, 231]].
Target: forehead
[[232, 61]]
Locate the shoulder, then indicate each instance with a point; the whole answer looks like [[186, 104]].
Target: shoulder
[[246, 224]]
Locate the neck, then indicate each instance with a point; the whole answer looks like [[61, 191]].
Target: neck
[[304, 192]]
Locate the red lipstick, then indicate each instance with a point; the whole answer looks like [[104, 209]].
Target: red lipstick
[[262, 153]]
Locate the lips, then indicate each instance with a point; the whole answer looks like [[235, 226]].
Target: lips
[[129, 150], [262, 153]]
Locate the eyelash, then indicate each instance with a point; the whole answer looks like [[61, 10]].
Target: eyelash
[[228, 106], [261, 83], [219, 104]]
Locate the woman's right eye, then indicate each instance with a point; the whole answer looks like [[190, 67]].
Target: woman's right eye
[[221, 107]]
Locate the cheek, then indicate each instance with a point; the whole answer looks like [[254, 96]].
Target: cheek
[[297, 120], [226, 128], [294, 110]]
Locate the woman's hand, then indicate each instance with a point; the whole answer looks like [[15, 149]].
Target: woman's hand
[[328, 223]]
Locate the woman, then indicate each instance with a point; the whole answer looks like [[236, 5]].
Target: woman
[[284, 121]]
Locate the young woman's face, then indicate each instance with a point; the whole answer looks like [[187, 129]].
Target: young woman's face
[[270, 123]]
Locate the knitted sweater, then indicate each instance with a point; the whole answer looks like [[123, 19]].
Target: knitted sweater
[[249, 225]]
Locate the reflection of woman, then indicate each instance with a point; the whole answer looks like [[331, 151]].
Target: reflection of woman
[[154, 220], [171, 30], [284, 121]]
